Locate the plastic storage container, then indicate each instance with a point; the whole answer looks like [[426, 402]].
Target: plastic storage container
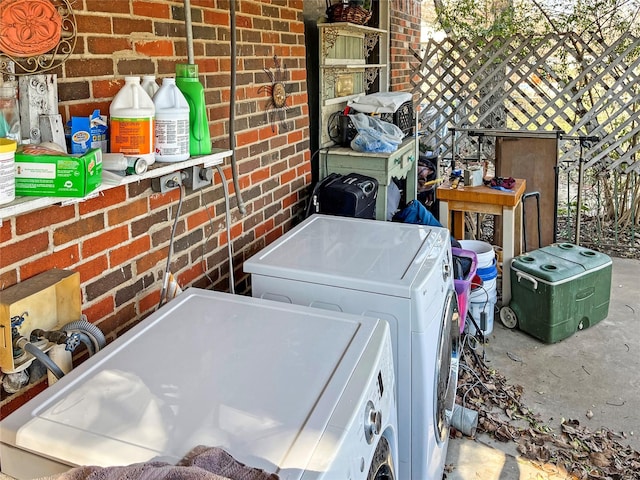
[[172, 123], [188, 83], [7, 170], [9, 112], [558, 290], [132, 114]]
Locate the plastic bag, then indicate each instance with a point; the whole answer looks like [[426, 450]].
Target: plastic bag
[[375, 135]]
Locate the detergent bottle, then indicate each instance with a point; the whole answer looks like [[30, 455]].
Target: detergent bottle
[[189, 84], [131, 118], [172, 136]]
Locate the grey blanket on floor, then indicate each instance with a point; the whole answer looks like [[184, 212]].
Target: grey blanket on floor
[[201, 463]]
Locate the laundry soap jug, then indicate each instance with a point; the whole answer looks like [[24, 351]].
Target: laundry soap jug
[[131, 121], [172, 123], [189, 84], [150, 85]]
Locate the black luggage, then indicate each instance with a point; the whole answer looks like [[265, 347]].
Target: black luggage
[[351, 195]]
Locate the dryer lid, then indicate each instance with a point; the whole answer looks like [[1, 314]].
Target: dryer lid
[[259, 379], [388, 258]]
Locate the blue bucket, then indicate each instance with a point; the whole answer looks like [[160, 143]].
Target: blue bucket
[[488, 273]]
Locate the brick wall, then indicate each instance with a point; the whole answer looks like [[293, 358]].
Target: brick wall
[[404, 32], [119, 240]]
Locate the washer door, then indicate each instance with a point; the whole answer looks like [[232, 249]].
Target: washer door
[[447, 366], [382, 462]]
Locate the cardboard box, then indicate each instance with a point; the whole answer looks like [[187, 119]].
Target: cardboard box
[[57, 174], [88, 132], [51, 300]]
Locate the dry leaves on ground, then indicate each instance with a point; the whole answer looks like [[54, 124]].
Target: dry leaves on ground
[[585, 455]]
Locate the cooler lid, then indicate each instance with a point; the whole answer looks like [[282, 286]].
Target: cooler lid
[[247, 375], [588, 259], [547, 267], [388, 258]]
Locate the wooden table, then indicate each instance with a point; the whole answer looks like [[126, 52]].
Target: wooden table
[[484, 199]]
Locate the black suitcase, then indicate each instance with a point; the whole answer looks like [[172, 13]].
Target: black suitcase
[[351, 195]]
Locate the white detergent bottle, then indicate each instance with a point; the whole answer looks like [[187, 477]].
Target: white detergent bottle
[[131, 122], [150, 85], [172, 123]]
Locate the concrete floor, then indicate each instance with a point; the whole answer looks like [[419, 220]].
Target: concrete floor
[[596, 370]]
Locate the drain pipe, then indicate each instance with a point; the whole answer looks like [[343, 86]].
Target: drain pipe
[[232, 109]]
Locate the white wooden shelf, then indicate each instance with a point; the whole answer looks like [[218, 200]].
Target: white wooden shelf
[[111, 180]]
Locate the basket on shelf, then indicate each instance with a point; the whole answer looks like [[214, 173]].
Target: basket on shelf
[[351, 12]]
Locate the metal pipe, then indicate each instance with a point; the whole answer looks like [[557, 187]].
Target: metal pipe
[[232, 109], [189, 31], [579, 200]]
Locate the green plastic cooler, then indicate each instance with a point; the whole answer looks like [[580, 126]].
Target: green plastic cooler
[[558, 290]]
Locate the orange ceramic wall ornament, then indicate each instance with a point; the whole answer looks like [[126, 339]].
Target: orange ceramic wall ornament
[[28, 27]]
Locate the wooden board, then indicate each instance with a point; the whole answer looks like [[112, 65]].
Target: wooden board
[[535, 160]]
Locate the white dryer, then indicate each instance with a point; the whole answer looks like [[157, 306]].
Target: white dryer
[[297, 391], [398, 272]]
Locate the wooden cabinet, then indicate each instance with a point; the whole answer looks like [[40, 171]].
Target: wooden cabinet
[[345, 69], [401, 164]]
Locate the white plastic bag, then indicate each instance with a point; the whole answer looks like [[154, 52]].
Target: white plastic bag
[[375, 135]]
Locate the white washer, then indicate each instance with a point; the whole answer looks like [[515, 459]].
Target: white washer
[[398, 272], [297, 391]]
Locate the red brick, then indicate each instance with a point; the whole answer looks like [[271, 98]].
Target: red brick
[[262, 229], [106, 199], [216, 18], [99, 310], [287, 177], [105, 89], [289, 200], [92, 268], [150, 260], [74, 231], [127, 252], [259, 175], [196, 219], [149, 302], [100, 46], [158, 48], [104, 241], [16, 251], [38, 219], [61, 259], [5, 231], [109, 7], [236, 231], [294, 137], [151, 9], [132, 209], [93, 23]]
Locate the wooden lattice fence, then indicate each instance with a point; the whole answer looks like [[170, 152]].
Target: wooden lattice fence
[[566, 83]]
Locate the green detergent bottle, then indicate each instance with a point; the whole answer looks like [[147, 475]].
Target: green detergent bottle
[[189, 84]]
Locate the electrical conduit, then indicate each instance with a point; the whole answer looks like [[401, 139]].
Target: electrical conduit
[[232, 111]]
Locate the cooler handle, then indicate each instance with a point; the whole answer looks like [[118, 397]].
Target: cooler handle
[[522, 275]]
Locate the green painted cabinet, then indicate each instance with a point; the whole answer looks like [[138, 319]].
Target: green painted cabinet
[[401, 164]]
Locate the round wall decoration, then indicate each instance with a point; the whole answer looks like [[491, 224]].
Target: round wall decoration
[[278, 93], [35, 35], [29, 27]]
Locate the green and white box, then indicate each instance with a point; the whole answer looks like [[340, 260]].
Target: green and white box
[[58, 175]]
